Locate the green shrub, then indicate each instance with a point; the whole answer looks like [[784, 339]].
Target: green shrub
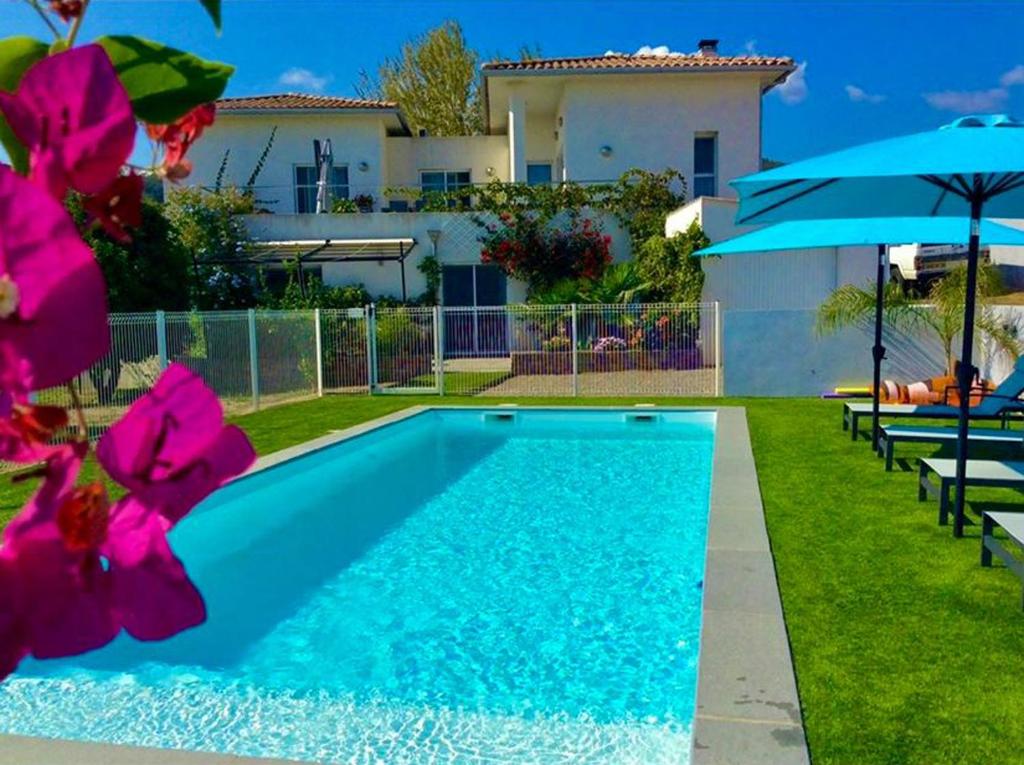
[[669, 269]]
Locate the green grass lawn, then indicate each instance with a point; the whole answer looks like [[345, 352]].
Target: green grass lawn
[[906, 651]]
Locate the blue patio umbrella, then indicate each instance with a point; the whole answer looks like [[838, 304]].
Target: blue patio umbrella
[[854, 232], [969, 168]]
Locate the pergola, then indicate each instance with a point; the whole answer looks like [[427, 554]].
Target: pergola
[[305, 251]]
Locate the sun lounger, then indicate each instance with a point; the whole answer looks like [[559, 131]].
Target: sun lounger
[[1013, 525], [979, 473], [890, 435], [1001, 404]]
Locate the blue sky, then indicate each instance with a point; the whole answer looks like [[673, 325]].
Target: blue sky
[[868, 69]]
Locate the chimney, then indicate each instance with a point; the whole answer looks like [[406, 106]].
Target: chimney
[[707, 48]]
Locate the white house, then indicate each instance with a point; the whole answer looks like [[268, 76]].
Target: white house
[[583, 119]]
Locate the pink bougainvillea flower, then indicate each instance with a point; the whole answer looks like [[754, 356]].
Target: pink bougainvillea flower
[[61, 588], [151, 594], [172, 448], [75, 118], [13, 646], [117, 206], [179, 136], [53, 306], [76, 570]]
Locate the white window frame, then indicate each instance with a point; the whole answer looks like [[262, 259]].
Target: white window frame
[[299, 187], [446, 172], [713, 175]]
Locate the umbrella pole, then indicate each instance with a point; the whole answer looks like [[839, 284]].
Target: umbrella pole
[[966, 361], [878, 350]]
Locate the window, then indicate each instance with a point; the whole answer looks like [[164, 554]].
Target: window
[[705, 161], [538, 173], [305, 186], [446, 181]]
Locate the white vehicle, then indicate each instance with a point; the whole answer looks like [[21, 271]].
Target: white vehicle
[[915, 266]]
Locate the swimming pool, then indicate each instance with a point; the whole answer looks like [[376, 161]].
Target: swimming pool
[[500, 585]]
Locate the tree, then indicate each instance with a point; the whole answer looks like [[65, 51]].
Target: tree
[[670, 269], [151, 271], [942, 314], [213, 235], [434, 81]]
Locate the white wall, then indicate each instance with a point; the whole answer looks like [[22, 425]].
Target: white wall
[[354, 138], [784, 280], [408, 155], [779, 353], [650, 121]]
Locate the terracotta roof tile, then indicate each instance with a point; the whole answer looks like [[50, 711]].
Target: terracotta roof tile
[[300, 101], [622, 61]]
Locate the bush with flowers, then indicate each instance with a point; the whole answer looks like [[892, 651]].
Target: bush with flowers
[[76, 567], [524, 247]]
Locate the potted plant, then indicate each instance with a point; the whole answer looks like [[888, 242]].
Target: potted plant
[[344, 206], [364, 202]]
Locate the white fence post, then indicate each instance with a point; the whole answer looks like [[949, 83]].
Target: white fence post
[[161, 339], [319, 353], [439, 349], [254, 360], [371, 360], [575, 356], [718, 349]]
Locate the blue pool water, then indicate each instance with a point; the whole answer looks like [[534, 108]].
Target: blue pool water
[[450, 588]]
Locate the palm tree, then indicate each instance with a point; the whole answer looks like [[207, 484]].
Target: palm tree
[[942, 313], [620, 283]]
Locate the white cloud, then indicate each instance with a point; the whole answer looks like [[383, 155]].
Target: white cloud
[[656, 50], [860, 95], [976, 101], [968, 101], [750, 47], [794, 89], [298, 77], [1013, 76]]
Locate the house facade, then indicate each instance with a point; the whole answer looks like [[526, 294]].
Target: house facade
[[585, 120]]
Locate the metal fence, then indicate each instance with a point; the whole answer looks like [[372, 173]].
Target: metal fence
[[254, 359]]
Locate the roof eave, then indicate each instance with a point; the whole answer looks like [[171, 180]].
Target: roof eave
[[782, 69], [380, 110], [779, 78]]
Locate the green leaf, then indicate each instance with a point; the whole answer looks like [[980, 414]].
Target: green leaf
[[17, 54], [213, 8], [164, 83]]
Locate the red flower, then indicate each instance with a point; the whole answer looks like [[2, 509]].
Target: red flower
[[179, 136], [67, 9], [118, 205]]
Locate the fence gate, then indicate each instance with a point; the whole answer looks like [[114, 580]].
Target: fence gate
[[404, 345]]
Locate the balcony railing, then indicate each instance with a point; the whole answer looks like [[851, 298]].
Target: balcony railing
[[356, 198]]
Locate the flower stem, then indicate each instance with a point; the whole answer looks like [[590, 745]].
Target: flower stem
[[83, 428], [45, 17], [77, 24]]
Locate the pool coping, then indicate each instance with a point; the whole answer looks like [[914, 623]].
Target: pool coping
[[748, 709], [745, 715]]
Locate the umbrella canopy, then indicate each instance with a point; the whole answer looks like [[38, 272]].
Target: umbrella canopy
[[936, 173], [852, 232], [855, 232], [969, 168]]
